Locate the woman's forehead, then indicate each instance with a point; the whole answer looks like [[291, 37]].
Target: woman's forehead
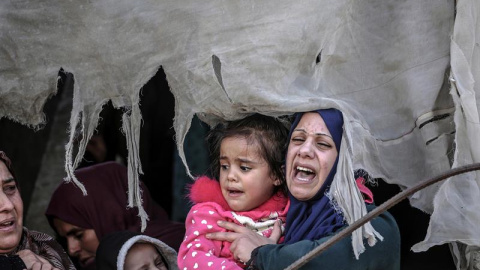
[[4, 172], [312, 123]]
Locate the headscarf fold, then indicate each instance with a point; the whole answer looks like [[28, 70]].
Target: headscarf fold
[[316, 217], [105, 210]]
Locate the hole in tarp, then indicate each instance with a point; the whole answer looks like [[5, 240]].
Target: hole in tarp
[[319, 57], [217, 68]]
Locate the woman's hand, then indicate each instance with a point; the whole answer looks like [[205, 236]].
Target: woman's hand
[[33, 261], [244, 240]]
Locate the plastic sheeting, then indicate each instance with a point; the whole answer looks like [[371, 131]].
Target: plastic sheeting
[[384, 63]]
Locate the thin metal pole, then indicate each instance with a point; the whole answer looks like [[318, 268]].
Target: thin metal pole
[[377, 211]]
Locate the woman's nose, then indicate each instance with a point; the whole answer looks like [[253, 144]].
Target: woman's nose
[[306, 149], [6, 204], [73, 247]]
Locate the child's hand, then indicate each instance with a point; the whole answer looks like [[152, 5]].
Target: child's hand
[[243, 240]]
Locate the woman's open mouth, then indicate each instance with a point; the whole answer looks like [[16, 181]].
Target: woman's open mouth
[[7, 225], [304, 174]]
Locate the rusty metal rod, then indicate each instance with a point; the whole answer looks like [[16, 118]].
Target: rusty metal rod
[[377, 211]]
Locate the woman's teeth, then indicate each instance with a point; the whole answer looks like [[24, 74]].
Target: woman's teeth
[[303, 169], [7, 223], [305, 174]]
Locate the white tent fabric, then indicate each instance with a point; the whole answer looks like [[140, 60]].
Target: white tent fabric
[[457, 199], [384, 63]]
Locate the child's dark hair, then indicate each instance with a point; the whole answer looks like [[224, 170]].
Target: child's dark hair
[[268, 133]]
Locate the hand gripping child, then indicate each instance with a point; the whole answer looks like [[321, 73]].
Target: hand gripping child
[[247, 157]]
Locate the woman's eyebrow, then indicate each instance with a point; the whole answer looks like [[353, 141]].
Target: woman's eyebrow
[[73, 231], [317, 134], [8, 180]]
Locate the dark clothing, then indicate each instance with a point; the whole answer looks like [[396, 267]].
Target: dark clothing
[[384, 255], [11, 263], [105, 209]]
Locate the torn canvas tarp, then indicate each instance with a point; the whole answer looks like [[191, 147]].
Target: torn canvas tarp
[[457, 199], [384, 63]]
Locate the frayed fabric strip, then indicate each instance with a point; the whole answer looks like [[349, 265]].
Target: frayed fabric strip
[[349, 199]]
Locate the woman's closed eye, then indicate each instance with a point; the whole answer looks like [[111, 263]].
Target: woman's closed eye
[[324, 145], [78, 235], [297, 140], [10, 189]]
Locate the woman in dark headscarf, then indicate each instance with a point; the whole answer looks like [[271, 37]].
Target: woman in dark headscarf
[[84, 220], [21, 248], [324, 199]]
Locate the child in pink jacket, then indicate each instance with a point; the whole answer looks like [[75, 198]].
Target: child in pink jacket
[[247, 159]]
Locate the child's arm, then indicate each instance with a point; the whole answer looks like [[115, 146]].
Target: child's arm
[[197, 252]]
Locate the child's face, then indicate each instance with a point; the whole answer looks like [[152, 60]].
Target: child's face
[[245, 177], [144, 256]]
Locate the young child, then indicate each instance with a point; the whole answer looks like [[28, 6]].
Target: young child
[[126, 250], [247, 157]]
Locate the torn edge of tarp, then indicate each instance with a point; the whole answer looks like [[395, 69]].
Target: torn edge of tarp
[[348, 197], [131, 119]]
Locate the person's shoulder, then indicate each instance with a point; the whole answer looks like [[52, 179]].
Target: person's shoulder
[[36, 235], [386, 252], [47, 247], [385, 215], [205, 189], [208, 209]]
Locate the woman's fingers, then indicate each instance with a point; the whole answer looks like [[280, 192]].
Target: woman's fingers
[[243, 240], [235, 232], [242, 249], [36, 266], [33, 261], [222, 236], [276, 232], [232, 226]]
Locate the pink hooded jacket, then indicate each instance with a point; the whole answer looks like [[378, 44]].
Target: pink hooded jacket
[[198, 252]]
